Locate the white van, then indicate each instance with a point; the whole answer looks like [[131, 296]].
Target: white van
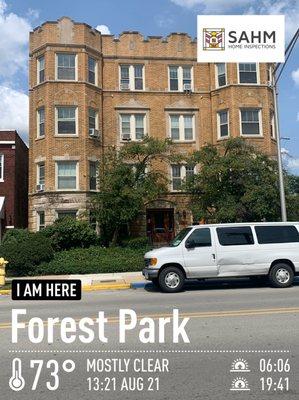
[[227, 250]]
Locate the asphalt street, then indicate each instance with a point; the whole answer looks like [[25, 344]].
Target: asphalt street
[[231, 322]]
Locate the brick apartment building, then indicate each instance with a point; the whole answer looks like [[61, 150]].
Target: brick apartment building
[[13, 181], [88, 91]]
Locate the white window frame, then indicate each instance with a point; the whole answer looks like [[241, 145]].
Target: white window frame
[[180, 77], [219, 125], [38, 69], [95, 72], [132, 77], [182, 127], [39, 136], [76, 67], [216, 75], [66, 210], [257, 74], [260, 121], [77, 176], [76, 121], [133, 125], [39, 227], [182, 175], [96, 119], [38, 165], [2, 168]]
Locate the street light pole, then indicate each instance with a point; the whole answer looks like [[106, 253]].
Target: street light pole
[[288, 52], [279, 158]]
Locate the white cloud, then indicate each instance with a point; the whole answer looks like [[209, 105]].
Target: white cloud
[[14, 33], [295, 76], [290, 8], [14, 110], [103, 29], [293, 163]]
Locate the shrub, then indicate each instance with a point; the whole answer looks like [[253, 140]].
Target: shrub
[[15, 235], [137, 243], [93, 260], [69, 233], [26, 253]]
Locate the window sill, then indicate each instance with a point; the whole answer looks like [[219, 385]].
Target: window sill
[[183, 141], [220, 139], [67, 190], [252, 136], [64, 135], [40, 138], [1, 180]]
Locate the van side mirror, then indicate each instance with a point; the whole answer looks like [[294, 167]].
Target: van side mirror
[[190, 244]]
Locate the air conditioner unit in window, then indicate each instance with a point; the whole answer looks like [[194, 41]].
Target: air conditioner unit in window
[[125, 86], [94, 133], [126, 136], [40, 187], [187, 87]]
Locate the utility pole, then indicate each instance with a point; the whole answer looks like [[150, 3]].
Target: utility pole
[[288, 52]]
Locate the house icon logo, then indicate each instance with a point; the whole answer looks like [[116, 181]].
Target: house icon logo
[[213, 39]]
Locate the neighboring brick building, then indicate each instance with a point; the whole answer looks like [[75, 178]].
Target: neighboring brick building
[[89, 90], [13, 181]]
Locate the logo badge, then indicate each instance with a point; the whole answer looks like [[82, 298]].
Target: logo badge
[[213, 39]]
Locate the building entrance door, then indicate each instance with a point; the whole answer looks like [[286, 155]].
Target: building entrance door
[[160, 225]]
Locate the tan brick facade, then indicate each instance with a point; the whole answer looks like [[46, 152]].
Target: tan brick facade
[[156, 102]]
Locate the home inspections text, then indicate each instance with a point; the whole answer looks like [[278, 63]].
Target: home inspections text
[[240, 38]]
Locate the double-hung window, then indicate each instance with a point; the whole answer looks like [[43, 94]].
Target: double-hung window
[[222, 123], [182, 127], [220, 74], [93, 173], [132, 126], [1, 167], [41, 174], [248, 73], [179, 174], [92, 121], [180, 78], [40, 69], [92, 70], [67, 175], [41, 122], [66, 66], [66, 120], [132, 77], [40, 220], [272, 125], [250, 122]]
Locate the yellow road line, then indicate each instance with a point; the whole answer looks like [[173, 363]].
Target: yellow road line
[[205, 314]]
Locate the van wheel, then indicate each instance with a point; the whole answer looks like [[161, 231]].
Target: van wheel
[[281, 275], [171, 280]]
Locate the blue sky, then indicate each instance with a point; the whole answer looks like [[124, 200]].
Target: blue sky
[[155, 17]]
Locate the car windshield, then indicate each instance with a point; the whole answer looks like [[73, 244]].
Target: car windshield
[[179, 237]]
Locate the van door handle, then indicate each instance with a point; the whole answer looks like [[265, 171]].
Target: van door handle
[[214, 256]]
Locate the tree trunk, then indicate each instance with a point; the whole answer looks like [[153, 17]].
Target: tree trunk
[[115, 236]]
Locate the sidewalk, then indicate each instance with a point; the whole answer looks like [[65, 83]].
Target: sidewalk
[[91, 282]]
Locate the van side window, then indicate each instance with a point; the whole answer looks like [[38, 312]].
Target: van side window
[[201, 237], [277, 234], [235, 236]]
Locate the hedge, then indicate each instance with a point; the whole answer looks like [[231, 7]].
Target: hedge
[[93, 260]]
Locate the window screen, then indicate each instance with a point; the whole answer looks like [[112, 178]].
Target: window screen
[[235, 236], [277, 234]]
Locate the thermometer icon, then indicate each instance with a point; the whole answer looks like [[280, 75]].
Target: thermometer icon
[[16, 382]]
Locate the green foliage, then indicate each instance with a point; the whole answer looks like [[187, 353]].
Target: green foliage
[[127, 182], [136, 243], [292, 182], [235, 183], [94, 260], [26, 253], [15, 235], [69, 233]]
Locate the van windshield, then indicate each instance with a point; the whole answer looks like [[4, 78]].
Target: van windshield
[[179, 237]]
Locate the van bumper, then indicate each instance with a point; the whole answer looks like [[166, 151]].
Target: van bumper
[[150, 273]]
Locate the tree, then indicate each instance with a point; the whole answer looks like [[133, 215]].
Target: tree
[[235, 183], [127, 181]]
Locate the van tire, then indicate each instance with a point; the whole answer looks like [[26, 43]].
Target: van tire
[[171, 279], [281, 275]]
